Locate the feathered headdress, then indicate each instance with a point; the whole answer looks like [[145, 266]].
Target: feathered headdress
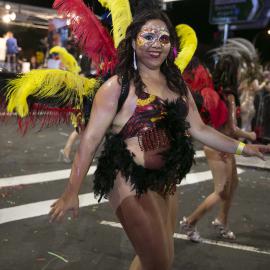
[[240, 48], [93, 38], [247, 44], [67, 59], [121, 17], [188, 44]]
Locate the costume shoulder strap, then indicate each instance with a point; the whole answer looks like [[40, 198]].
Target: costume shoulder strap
[[124, 92]]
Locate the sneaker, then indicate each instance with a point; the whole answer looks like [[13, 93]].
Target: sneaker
[[223, 231], [190, 231]]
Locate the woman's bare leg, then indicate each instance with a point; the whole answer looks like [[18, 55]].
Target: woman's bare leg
[[203, 208], [71, 140], [135, 264], [226, 203], [147, 221], [170, 225], [219, 169]]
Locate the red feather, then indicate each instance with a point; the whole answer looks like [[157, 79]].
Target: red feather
[[92, 36], [45, 116]]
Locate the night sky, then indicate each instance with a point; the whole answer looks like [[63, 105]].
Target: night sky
[[192, 12]]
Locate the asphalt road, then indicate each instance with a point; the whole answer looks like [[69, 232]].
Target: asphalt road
[[31, 177]]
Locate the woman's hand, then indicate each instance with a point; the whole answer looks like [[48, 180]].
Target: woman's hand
[[256, 150], [252, 136], [69, 201]]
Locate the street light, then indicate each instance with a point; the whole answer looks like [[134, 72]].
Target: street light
[[12, 16], [165, 2], [6, 18]]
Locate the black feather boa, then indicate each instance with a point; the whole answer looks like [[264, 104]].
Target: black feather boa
[[178, 159]]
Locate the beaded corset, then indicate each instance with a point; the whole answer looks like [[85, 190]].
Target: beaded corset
[[145, 123]]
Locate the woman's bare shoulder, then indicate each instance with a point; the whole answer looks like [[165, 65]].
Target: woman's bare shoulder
[[112, 83], [110, 89]]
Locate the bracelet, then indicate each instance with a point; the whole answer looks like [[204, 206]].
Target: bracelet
[[240, 148]]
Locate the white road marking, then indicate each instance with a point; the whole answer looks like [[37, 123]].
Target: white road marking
[[204, 241], [63, 174], [39, 208], [199, 154], [64, 134], [193, 178], [42, 208], [39, 177]]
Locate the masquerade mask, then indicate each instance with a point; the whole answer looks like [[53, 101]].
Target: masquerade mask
[[148, 37]]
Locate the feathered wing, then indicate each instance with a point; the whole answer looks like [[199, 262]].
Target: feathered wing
[[241, 48], [248, 45], [91, 35], [188, 44], [225, 50], [67, 59], [121, 18], [62, 86]]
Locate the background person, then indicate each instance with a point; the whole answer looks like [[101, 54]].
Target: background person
[[12, 50]]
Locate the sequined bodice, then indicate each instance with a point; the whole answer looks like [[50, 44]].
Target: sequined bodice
[[145, 123]]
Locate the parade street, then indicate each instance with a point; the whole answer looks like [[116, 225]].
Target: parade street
[[32, 177]]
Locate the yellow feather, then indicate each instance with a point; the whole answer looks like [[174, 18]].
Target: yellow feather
[[62, 85], [121, 18], [67, 59], [104, 3], [188, 44]]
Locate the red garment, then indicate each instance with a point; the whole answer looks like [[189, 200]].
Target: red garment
[[200, 80]]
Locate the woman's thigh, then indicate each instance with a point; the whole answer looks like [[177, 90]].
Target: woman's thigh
[[222, 168], [148, 223]]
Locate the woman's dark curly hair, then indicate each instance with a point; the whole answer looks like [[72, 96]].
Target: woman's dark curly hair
[[125, 67], [225, 75]]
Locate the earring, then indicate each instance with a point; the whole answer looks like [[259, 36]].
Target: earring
[[175, 53], [134, 61]]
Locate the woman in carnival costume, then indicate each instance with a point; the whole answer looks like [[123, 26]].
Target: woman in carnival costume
[[223, 108], [148, 148], [248, 89], [250, 80]]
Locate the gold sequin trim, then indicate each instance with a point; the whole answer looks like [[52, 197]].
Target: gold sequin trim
[[143, 102], [155, 119]]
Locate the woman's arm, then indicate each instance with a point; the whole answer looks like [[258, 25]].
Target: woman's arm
[[102, 114], [242, 86], [215, 139], [257, 86], [206, 134], [236, 132], [101, 117]]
